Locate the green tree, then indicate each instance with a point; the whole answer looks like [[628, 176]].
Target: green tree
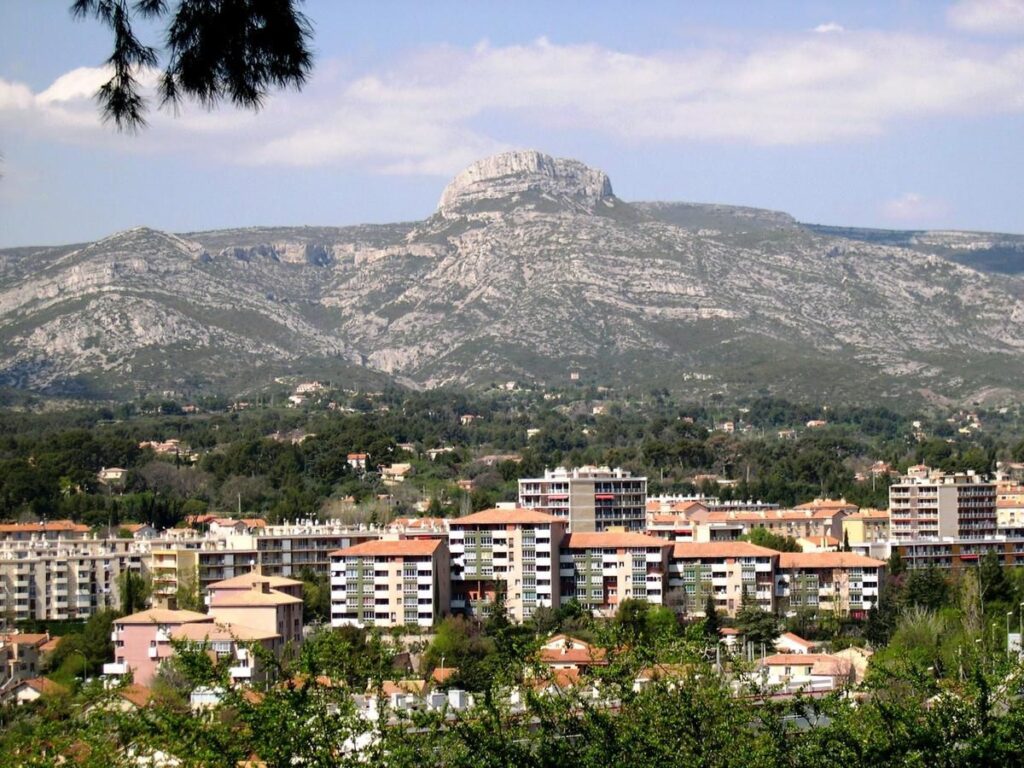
[[762, 537], [187, 596], [995, 587], [134, 589], [711, 624], [756, 624]]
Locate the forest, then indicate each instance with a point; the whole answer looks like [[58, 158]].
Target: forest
[[288, 463]]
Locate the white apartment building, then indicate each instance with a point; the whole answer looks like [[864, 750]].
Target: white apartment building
[[511, 551], [55, 579], [931, 504], [600, 570], [390, 583], [588, 498]]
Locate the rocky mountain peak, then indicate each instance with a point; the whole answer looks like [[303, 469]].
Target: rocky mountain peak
[[524, 178]]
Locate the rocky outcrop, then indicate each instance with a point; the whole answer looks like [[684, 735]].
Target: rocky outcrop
[[507, 178]]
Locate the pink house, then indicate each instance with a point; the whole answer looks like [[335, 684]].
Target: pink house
[[143, 640]]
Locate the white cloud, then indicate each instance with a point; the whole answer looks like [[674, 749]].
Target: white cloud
[[913, 209], [828, 27], [1000, 17], [76, 85], [434, 111]]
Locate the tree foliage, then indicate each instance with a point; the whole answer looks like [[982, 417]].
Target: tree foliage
[[234, 50]]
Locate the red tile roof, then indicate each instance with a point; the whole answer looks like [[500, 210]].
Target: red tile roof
[[612, 540], [54, 526], [827, 560], [505, 517], [44, 685], [246, 580], [391, 548], [686, 550]]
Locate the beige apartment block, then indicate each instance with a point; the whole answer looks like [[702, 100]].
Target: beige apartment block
[[55, 580], [169, 570], [866, 526], [600, 570], [815, 520], [726, 570], [390, 583], [513, 552], [262, 608], [931, 504], [842, 583]]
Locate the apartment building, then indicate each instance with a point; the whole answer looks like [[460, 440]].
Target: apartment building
[[261, 608], [169, 570], [956, 554], [239, 616], [588, 498], [843, 583], [232, 644], [278, 550], [142, 641], [511, 551], [931, 504], [726, 570], [815, 521], [245, 582], [390, 583], [64, 530], [59, 580], [866, 526], [600, 570]]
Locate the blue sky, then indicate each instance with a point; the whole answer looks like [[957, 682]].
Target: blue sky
[[890, 114]]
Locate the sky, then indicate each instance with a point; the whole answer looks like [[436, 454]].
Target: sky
[[898, 114]]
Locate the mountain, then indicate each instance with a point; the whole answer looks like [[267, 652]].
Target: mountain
[[531, 267]]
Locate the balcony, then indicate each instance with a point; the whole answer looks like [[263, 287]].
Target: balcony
[[116, 668], [153, 652], [240, 673]]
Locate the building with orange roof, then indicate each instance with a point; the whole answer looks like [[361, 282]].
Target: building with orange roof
[[815, 519], [670, 526], [246, 581], [723, 569], [33, 689], [819, 544], [789, 642], [21, 654], [600, 570], [262, 608], [142, 641], [52, 530], [391, 582], [808, 672], [564, 652], [232, 644], [588, 498], [508, 550], [844, 583]]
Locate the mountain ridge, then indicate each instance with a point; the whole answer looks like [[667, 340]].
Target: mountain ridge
[[531, 267]]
